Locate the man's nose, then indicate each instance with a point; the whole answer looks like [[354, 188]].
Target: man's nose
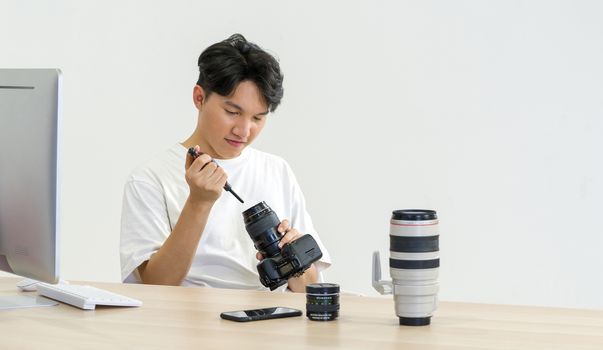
[[242, 128]]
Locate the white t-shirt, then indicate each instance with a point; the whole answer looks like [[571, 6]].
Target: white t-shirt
[[155, 194]]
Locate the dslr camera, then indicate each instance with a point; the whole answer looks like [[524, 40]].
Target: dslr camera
[[279, 265]]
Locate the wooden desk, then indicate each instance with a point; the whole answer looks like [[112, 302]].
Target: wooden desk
[[174, 318]]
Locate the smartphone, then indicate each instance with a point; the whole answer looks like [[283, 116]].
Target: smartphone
[[260, 314]]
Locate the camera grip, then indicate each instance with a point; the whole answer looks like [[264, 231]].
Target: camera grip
[[302, 252]]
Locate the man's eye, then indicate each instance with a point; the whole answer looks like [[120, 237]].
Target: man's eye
[[258, 118], [231, 112]]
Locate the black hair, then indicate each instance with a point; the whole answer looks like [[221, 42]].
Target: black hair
[[224, 65]]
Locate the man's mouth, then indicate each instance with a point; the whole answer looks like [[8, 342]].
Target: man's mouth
[[235, 143]]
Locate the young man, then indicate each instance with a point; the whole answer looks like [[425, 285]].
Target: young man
[[179, 227]]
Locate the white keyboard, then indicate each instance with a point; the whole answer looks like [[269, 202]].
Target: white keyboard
[[84, 297]]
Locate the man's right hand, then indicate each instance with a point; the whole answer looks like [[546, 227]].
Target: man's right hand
[[205, 178]]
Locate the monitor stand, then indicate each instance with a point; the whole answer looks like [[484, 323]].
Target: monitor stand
[[24, 301]]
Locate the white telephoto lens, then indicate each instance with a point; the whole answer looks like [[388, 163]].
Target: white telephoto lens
[[414, 264]]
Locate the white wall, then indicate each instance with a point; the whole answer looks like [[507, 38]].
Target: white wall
[[489, 112]]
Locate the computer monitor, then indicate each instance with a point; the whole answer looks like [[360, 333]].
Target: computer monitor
[[30, 109]]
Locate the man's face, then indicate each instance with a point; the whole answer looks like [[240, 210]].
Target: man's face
[[228, 124]]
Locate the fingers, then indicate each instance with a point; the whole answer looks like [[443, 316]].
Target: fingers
[[200, 163], [283, 226], [288, 233], [220, 177], [205, 178], [189, 157], [210, 176], [204, 169], [289, 236]]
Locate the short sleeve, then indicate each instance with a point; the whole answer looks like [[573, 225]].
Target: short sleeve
[[144, 226]]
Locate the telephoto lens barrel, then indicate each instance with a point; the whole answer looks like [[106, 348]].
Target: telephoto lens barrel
[[414, 264], [322, 301]]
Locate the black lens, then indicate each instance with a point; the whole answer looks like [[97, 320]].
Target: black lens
[[414, 214], [254, 213], [261, 223], [322, 301], [415, 321]]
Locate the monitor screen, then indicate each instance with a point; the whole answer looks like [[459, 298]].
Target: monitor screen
[[29, 180]]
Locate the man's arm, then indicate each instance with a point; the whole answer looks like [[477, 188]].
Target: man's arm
[[298, 284], [170, 264]]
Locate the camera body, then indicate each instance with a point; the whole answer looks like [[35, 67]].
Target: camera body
[[295, 258], [279, 265]]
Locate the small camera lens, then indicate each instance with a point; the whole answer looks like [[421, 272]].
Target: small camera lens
[[322, 301]]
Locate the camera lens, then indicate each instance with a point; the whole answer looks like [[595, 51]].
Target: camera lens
[[414, 264], [261, 223], [322, 301]]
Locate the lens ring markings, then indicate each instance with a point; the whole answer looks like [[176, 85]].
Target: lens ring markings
[[322, 301]]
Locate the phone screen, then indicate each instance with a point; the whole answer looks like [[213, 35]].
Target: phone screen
[[260, 314]]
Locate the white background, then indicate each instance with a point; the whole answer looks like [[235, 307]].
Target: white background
[[490, 112]]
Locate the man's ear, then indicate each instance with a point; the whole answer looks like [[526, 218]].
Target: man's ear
[[198, 97]]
